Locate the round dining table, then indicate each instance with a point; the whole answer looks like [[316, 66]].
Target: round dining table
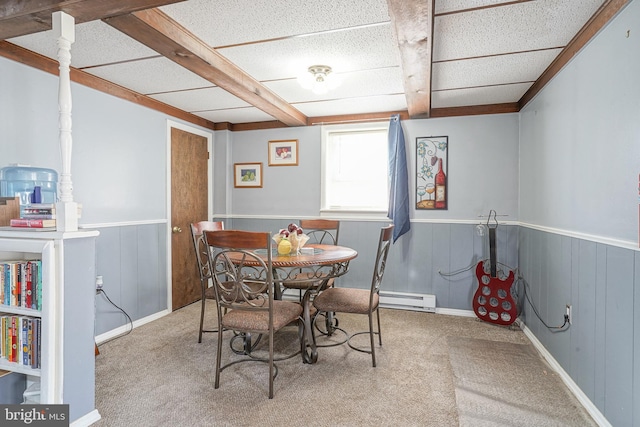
[[311, 270]]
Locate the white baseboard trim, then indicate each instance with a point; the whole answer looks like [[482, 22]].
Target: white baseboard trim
[[87, 420], [455, 312], [573, 387], [125, 328]]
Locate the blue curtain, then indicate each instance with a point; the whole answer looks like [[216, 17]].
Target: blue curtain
[[398, 179]]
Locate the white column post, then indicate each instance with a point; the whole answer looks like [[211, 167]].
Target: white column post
[[66, 208]]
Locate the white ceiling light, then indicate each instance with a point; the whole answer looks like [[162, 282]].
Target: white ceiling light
[[319, 79]]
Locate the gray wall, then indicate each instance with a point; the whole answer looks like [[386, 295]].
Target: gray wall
[[119, 174], [483, 169], [579, 164]]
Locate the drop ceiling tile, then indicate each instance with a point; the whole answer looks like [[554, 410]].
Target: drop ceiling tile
[[515, 28], [148, 76], [352, 50], [96, 43], [493, 70], [478, 96], [213, 98], [371, 104], [227, 22], [236, 115], [381, 81], [445, 6]]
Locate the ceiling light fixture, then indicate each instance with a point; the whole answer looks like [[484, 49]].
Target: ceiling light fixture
[[319, 79]]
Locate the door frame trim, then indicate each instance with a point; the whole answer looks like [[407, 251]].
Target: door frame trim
[[206, 134]]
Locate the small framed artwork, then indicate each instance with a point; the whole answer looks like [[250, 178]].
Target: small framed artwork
[[283, 152], [247, 175]]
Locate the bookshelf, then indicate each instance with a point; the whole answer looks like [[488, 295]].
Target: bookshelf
[[67, 361]]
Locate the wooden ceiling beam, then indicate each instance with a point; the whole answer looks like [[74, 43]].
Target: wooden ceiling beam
[[412, 22], [21, 17], [48, 65], [159, 32]]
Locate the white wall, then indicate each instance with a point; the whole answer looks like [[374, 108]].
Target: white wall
[[580, 139]]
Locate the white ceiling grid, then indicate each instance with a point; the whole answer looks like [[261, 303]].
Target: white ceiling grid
[[484, 52]]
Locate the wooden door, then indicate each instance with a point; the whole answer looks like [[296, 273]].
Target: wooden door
[[189, 202]]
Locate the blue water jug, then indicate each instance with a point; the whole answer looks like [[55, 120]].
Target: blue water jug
[[21, 181]]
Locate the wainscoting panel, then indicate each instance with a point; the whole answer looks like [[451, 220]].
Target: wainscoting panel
[[598, 280], [132, 260], [418, 258]]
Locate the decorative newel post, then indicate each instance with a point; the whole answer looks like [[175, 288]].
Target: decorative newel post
[[66, 208]]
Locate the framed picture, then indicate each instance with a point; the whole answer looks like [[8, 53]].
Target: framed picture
[[283, 152], [247, 175], [432, 171]]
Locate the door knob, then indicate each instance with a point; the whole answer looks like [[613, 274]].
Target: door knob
[[177, 229]]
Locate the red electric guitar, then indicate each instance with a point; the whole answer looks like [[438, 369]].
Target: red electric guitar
[[493, 301]]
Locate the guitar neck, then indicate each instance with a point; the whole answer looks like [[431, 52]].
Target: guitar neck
[[492, 251]]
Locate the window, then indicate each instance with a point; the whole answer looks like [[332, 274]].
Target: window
[[355, 162]]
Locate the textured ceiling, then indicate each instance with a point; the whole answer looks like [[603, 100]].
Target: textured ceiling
[[484, 52]]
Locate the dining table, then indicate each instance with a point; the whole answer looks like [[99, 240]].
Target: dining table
[[313, 267]]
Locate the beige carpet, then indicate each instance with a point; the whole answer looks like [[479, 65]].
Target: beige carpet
[[494, 383], [160, 376]]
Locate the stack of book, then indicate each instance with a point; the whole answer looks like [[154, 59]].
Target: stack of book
[[20, 339], [36, 215]]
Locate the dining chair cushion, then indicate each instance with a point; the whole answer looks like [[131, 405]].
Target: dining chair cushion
[[307, 280], [284, 312], [345, 300]]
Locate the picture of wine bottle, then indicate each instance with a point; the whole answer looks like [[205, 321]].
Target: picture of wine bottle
[[441, 187]]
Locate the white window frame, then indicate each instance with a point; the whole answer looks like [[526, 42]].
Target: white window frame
[[325, 210]]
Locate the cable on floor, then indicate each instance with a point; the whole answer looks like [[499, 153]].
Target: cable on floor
[[102, 291]]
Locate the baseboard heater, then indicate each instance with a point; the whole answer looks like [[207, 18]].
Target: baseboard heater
[[405, 301]]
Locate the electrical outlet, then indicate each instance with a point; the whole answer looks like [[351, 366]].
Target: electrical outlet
[[568, 313], [99, 283]]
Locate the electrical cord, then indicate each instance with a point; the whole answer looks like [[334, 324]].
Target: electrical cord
[[566, 325], [453, 273], [533, 307], [102, 291]]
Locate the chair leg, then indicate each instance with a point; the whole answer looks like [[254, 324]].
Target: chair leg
[[379, 330], [373, 348], [218, 355], [204, 300], [270, 364]]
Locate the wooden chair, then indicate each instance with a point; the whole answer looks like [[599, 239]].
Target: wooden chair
[[244, 289], [360, 301], [202, 259], [325, 231]]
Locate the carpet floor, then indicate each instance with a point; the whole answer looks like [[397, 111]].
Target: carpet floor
[[432, 370]]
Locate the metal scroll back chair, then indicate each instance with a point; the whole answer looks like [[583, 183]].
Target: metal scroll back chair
[[322, 231], [244, 288], [325, 231], [360, 301], [202, 258]]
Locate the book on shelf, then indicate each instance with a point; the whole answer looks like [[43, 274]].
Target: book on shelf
[[21, 284], [32, 223], [20, 338], [27, 215], [39, 211]]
